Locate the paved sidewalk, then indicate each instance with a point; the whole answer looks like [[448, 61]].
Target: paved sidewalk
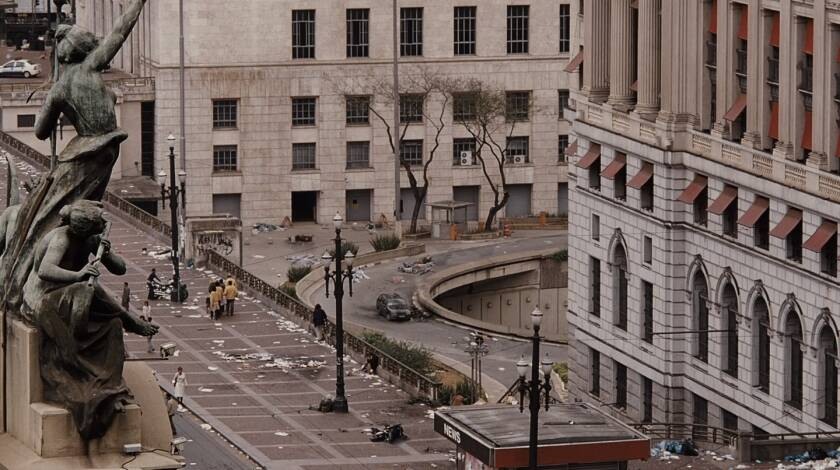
[[254, 376]]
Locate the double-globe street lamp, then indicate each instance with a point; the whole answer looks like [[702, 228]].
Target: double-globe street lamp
[[173, 192], [338, 277], [534, 386]]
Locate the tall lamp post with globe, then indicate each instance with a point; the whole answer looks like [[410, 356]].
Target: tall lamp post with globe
[[534, 386], [173, 192]]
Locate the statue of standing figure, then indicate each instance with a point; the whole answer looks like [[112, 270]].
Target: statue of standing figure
[[45, 273]]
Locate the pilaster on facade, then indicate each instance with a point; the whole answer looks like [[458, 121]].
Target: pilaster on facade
[[596, 39], [622, 57], [680, 31], [649, 64]]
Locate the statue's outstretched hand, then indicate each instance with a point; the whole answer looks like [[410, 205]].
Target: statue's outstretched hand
[[139, 326]]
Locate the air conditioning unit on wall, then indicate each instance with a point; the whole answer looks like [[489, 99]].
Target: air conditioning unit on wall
[[466, 158], [518, 159]]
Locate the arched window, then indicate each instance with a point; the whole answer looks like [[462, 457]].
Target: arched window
[[761, 345], [793, 359], [700, 315], [620, 287], [828, 376], [729, 314]]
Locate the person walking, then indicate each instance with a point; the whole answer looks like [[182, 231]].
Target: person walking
[[220, 291], [180, 384], [171, 409], [213, 299], [126, 296], [151, 282], [146, 314], [229, 279], [230, 296], [319, 320]]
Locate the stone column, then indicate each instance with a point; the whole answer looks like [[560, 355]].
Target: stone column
[[596, 56], [822, 101], [680, 35], [756, 56], [621, 55], [650, 51]]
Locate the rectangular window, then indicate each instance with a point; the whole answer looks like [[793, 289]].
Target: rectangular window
[[358, 109], [595, 372], [730, 217], [595, 286], [464, 152], [357, 32], [517, 150], [463, 107], [563, 102], [224, 158], [646, 195], [224, 114], [595, 228], [620, 386], [411, 108], [700, 207], [303, 111], [411, 32], [565, 28], [303, 156], [358, 155], [25, 120], [647, 312], [464, 41], [303, 34], [761, 231], [700, 417], [828, 256], [517, 105], [793, 244], [411, 152], [730, 421], [517, 29], [647, 400], [562, 145], [647, 250]]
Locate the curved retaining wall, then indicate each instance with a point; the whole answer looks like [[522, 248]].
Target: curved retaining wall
[[500, 309]]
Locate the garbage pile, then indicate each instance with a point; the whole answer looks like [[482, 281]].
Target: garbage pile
[[816, 458], [262, 227], [423, 266], [672, 449], [302, 260]]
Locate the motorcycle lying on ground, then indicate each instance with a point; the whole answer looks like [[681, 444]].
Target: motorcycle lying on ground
[[390, 434], [163, 290]]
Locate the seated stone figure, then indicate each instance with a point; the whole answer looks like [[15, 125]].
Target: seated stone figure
[[81, 325]]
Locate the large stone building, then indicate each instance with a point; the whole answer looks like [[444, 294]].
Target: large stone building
[[268, 130], [704, 206]]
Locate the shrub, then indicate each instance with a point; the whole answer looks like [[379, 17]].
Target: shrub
[[346, 247], [415, 357], [464, 388], [289, 290], [385, 242], [297, 272], [562, 369], [560, 256]]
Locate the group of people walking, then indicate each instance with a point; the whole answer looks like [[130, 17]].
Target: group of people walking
[[221, 297]]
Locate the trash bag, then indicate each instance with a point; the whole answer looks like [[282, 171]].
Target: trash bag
[[817, 454], [326, 405], [689, 447]]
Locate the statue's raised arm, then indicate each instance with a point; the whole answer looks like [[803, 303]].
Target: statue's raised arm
[[100, 57]]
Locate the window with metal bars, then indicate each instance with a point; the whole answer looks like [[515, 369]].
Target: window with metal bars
[[358, 109], [773, 67], [459, 146], [517, 150], [595, 283], [562, 145], [595, 372], [620, 386], [357, 32], [303, 111], [411, 152], [464, 41], [517, 29], [700, 308], [647, 312], [795, 357], [25, 120], [463, 107], [224, 158], [303, 34], [147, 138], [358, 155], [700, 419], [565, 28], [620, 291], [411, 109], [224, 114], [303, 156], [764, 352], [647, 400], [411, 32], [517, 105], [741, 65], [731, 360]]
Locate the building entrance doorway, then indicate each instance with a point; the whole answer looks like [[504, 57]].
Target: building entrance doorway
[[304, 206]]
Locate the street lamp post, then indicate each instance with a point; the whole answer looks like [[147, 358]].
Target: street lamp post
[[338, 277], [534, 387], [173, 193]]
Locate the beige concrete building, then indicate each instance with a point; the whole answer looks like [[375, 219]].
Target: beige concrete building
[[269, 132], [704, 207]]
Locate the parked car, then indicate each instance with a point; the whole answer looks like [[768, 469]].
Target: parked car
[[20, 68], [393, 307]]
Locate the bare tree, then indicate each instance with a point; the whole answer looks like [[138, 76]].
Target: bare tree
[[486, 114]]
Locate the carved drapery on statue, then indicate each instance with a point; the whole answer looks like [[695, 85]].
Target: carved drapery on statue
[[45, 272]]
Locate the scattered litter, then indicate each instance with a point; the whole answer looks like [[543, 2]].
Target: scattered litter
[[672, 449], [281, 434], [421, 267], [261, 227], [205, 390], [212, 368], [206, 427]]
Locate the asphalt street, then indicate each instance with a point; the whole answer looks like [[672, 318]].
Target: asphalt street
[[208, 451]]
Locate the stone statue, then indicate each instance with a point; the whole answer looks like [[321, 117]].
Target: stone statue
[[81, 325], [84, 166]]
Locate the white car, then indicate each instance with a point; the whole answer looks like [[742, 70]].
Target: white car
[[20, 68]]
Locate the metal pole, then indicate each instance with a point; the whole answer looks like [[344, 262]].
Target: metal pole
[[534, 405], [396, 126], [181, 72], [173, 207], [340, 401]]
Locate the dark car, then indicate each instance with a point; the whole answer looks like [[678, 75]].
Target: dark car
[[393, 307]]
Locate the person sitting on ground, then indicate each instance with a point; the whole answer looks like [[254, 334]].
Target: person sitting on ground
[[230, 296], [371, 363]]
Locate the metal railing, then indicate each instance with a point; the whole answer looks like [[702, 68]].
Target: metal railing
[[698, 432], [425, 386]]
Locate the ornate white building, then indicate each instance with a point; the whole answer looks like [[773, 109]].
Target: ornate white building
[[704, 205], [269, 132]]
